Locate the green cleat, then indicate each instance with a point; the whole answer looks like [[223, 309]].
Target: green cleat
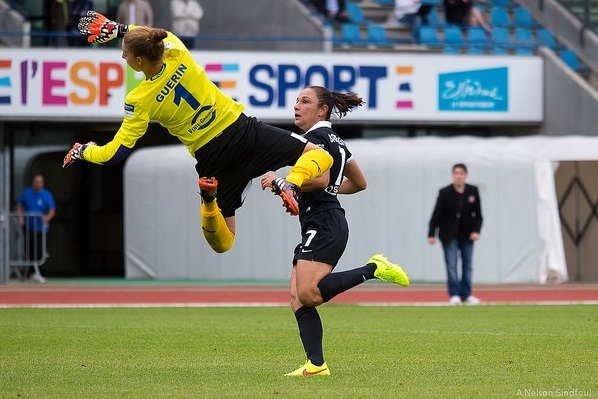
[[309, 369], [387, 271]]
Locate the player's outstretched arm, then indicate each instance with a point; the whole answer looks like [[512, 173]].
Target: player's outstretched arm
[[100, 29]]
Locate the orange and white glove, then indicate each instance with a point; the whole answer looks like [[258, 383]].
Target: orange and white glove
[[75, 154], [100, 29]]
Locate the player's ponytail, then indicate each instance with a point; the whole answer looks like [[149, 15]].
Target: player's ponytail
[[146, 42], [337, 102]]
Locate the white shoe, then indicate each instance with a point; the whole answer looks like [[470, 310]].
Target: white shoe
[[472, 300], [38, 278], [455, 300]]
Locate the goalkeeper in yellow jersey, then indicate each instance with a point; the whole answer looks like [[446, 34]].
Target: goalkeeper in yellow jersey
[[230, 147]]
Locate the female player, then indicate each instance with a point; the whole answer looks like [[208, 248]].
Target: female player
[[324, 228], [230, 147]]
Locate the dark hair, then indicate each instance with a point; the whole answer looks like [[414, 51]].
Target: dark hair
[[341, 103], [147, 42], [460, 165]]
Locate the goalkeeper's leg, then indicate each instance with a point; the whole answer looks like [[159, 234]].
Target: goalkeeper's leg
[[219, 232]]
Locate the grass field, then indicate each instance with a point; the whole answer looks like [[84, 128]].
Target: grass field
[[373, 352]]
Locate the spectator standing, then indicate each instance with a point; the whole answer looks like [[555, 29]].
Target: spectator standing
[[458, 218], [186, 15], [77, 9], [135, 12], [463, 12], [36, 199]]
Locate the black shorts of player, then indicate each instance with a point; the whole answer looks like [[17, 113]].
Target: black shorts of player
[[245, 150], [324, 237]]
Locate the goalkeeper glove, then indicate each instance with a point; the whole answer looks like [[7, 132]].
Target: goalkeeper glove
[[75, 153], [100, 29]]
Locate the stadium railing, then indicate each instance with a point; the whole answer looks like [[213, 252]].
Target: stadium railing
[[27, 243]]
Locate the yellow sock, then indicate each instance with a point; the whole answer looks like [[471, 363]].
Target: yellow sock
[[309, 165], [214, 228]]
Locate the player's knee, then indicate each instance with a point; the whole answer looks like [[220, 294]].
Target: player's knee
[[221, 246], [220, 240], [309, 297]]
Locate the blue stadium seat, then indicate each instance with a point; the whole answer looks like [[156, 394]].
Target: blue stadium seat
[[524, 38], [499, 17], [450, 50], [386, 2], [350, 35], [434, 19], [429, 36], [355, 13], [570, 58], [546, 38], [477, 37], [377, 36], [498, 51], [432, 2], [523, 18], [475, 50], [501, 37], [501, 3], [453, 36], [523, 51]]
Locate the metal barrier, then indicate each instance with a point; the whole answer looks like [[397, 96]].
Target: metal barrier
[[27, 243]]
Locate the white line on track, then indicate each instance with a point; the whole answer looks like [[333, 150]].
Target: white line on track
[[272, 304]]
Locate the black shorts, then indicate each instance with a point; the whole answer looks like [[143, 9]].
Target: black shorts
[[324, 237], [243, 151]]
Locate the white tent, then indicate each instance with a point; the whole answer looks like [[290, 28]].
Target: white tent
[[520, 241]]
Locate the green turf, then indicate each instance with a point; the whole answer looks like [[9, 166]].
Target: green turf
[[373, 352]]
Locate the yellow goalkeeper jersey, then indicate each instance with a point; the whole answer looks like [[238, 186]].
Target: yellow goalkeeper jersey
[[181, 98]]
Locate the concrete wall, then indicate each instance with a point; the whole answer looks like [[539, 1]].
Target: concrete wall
[[571, 104]]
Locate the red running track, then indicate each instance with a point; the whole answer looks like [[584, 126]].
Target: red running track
[[73, 295]]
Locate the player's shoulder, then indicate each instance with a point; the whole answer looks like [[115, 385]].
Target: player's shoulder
[[319, 134], [174, 47], [137, 95], [319, 131], [329, 135]]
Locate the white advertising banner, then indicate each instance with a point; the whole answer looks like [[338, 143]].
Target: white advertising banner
[[91, 84]]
